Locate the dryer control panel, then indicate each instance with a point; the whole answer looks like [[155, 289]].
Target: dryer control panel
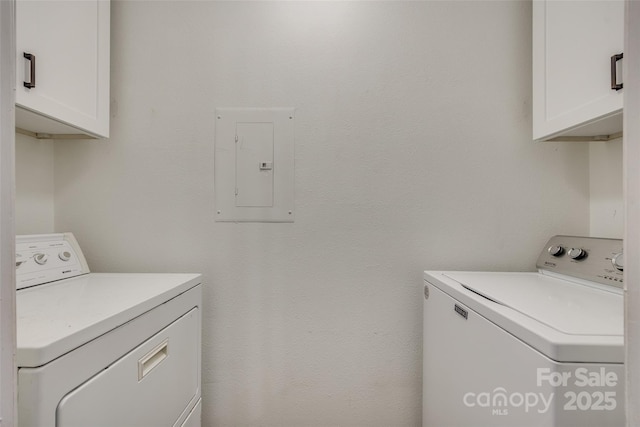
[[589, 258], [44, 258]]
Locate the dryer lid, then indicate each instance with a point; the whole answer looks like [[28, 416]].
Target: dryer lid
[[58, 317]]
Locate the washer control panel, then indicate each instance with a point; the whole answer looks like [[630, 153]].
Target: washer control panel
[[589, 258], [44, 258]]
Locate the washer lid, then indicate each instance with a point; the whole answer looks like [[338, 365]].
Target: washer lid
[[58, 317], [568, 307], [565, 320]]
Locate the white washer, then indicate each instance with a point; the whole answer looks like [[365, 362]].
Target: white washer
[[99, 349], [528, 349]]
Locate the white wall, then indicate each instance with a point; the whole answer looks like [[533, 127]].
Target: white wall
[[413, 152], [34, 185], [35, 207], [605, 188]]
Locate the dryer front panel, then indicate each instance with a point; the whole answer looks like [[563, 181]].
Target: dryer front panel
[[151, 386]]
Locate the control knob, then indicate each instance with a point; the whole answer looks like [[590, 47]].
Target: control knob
[[65, 255], [556, 250], [40, 259], [618, 261], [577, 253]]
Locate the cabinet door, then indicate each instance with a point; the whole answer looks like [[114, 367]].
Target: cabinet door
[[70, 41], [573, 42]]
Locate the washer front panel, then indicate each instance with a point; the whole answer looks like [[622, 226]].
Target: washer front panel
[[477, 374]]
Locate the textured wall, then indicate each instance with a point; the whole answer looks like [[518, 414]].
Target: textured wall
[[34, 185], [413, 152], [605, 189]]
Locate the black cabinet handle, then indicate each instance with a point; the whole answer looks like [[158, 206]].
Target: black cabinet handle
[[32, 74], [614, 72]]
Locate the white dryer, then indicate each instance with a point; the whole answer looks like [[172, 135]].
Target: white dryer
[[99, 349], [528, 349]]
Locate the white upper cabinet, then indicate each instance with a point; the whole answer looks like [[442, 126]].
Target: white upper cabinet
[[573, 70], [63, 54]]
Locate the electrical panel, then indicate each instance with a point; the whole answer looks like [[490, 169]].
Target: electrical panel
[[254, 164]]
